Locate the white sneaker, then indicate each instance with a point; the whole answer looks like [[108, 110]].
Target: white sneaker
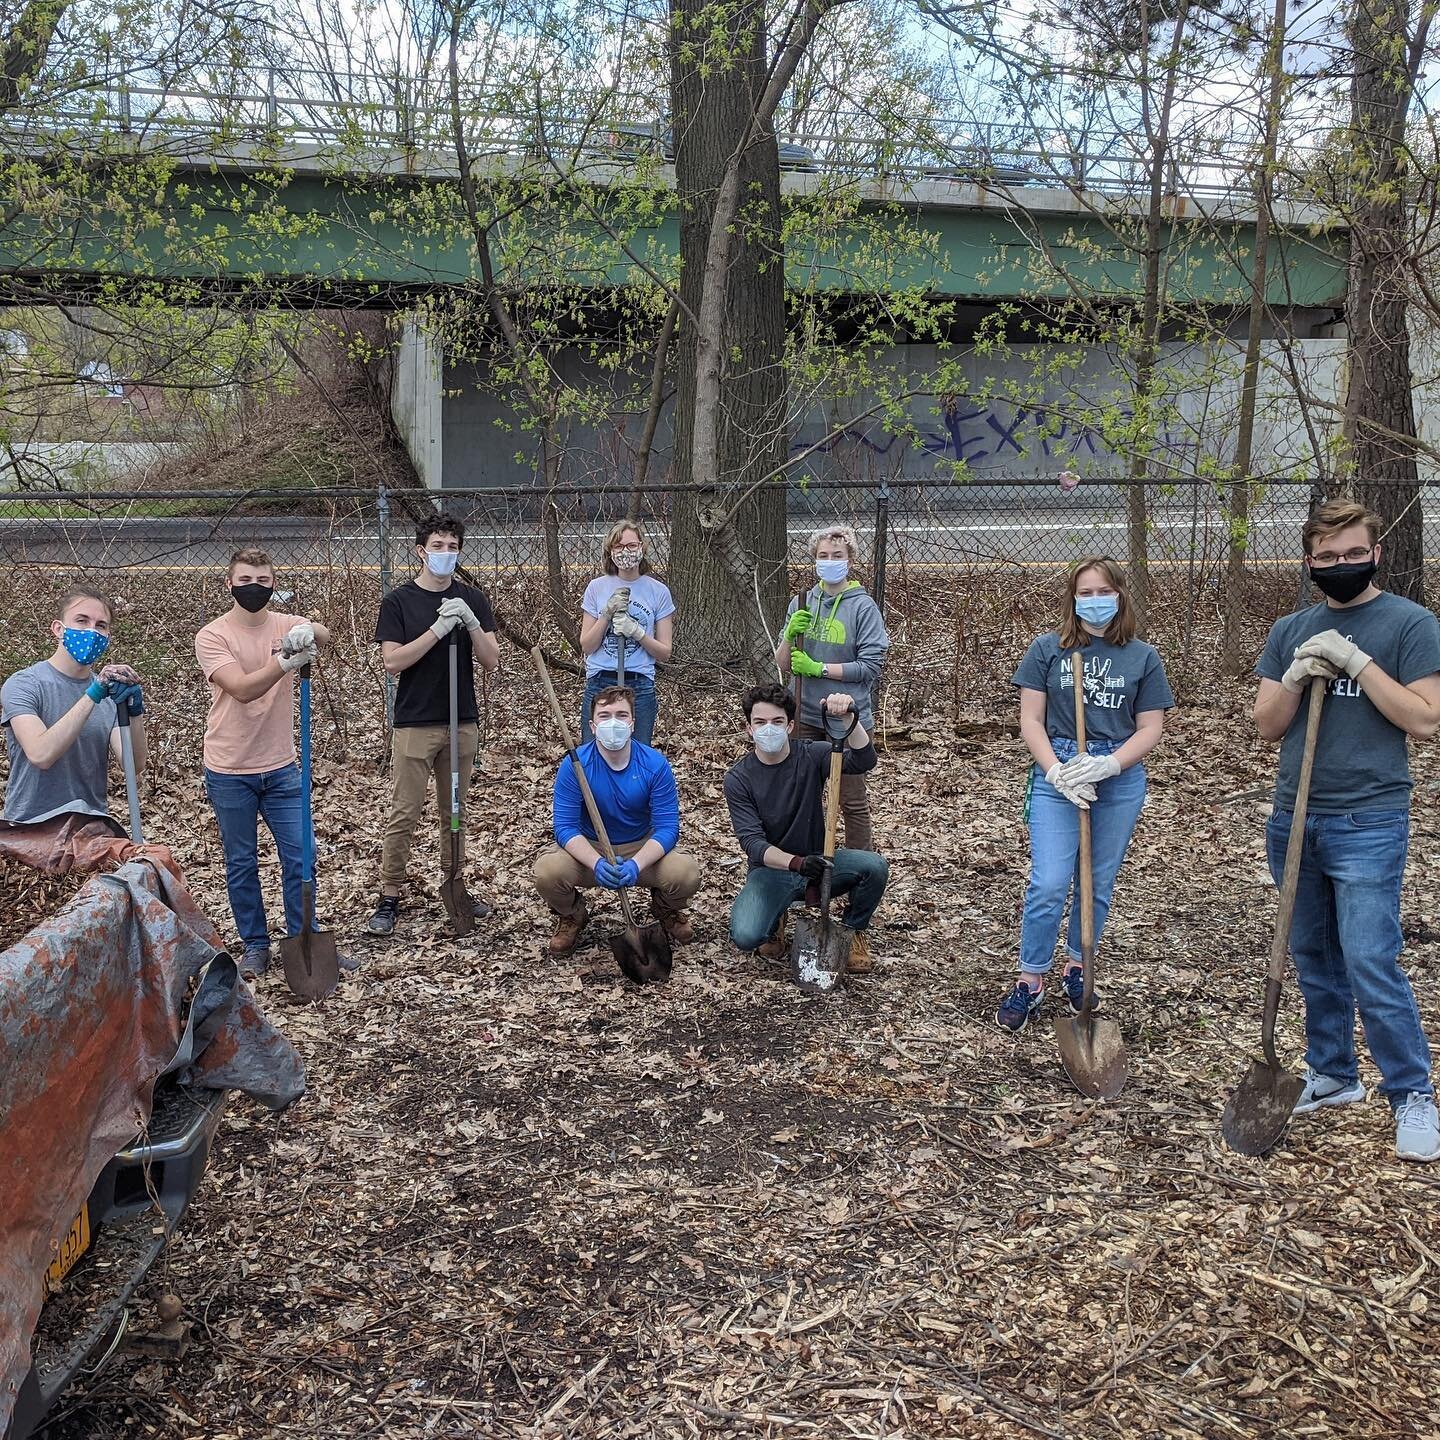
[[1417, 1128], [1322, 1090]]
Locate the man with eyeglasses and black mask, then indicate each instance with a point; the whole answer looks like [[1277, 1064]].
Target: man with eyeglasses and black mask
[[1380, 655]]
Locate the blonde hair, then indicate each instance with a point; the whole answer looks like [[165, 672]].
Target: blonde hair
[[836, 532], [612, 539], [1073, 634], [1337, 515]]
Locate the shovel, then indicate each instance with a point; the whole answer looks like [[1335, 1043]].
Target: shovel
[[1257, 1113], [1091, 1048], [456, 898], [820, 951], [312, 969], [643, 953], [127, 759]]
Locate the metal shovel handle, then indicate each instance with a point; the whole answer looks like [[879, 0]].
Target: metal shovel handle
[[127, 759]]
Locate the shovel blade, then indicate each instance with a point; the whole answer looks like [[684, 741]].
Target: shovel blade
[[643, 954], [819, 953], [1093, 1054], [1258, 1111], [312, 968], [459, 905]]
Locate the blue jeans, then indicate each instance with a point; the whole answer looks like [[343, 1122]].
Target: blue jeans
[[767, 894], [1055, 854], [1345, 940], [644, 688], [240, 802]]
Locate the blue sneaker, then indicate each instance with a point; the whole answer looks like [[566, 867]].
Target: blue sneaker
[[1074, 983], [1018, 1006]]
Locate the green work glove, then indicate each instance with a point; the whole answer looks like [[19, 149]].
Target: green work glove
[[797, 624], [802, 664]]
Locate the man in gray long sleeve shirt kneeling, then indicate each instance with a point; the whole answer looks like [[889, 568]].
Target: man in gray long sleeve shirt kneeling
[[775, 795]]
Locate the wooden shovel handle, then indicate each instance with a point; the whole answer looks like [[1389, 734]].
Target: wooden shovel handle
[[1290, 877], [1087, 865]]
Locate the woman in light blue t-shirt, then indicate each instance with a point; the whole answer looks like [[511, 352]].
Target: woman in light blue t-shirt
[[626, 606], [1126, 697]]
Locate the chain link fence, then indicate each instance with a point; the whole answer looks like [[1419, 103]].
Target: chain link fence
[[967, 574]]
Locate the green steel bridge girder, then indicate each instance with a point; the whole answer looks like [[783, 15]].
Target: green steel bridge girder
[[383, 236]]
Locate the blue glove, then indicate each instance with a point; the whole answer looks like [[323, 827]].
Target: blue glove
[[617, 876], [97, 690], [130, 695]]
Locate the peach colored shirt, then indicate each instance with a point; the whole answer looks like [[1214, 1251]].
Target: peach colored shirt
[[247, 738]]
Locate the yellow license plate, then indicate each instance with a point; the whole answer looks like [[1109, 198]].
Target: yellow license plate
[[72, 1247]]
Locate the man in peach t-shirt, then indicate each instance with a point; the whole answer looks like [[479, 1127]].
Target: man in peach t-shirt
[[249, 656]]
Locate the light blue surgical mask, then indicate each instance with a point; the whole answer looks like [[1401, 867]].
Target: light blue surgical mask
[[442, 562], [769, 736], [1097, 610], [832, 572], [85, 647]]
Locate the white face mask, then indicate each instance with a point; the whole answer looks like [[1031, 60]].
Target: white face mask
[[614, 733], [769, 736], [832, 572], [442, 562]]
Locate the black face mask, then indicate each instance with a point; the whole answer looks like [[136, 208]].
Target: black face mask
[[1343, 582], [253, 598]]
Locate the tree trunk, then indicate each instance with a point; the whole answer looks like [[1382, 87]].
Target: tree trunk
[[719, 569], [1379, 411]]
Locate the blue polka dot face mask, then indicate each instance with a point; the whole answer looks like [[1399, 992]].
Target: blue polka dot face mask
[[84, 647]]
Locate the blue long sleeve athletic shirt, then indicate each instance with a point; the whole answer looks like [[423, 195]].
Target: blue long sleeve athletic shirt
[[636, 803]]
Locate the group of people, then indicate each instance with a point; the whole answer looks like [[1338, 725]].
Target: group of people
[[1378, 654]]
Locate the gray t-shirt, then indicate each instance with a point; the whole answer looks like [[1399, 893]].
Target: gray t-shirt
[[1121, 682], [77, 781], [1361, 760]]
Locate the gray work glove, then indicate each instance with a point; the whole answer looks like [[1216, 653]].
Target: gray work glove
[[617, 604], [1077, 792]]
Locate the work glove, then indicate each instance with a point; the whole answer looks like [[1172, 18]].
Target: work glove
[[109, 680], [1090, 769], [299, 660], [461, 611], [298, 637], [628, 626], [802, 664], [1076, 792], [812, 867], [797, 624], [130, 696], [617, 876], [1333, 647], [1305, 669], [618, 603], [444, 624]]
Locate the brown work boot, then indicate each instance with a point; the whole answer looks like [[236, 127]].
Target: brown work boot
[[778, 943], [677, 924], [566, 933], [860, 963]]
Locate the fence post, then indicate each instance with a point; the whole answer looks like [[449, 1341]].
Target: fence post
[[383, 506], [881, 545]]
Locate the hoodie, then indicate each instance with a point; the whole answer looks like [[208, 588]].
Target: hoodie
[[846, 630]]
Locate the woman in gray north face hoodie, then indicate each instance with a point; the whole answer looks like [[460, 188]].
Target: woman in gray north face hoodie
[[836, 641]]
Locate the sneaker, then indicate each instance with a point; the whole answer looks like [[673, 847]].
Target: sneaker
[[382, 922], [1417, 1128], [860, 962], [1074, 982], [1321, 1090], [1018, 1006], [348, 963], [255, 962], [778, 943], [566, 934]]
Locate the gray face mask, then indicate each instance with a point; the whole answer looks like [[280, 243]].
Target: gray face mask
[[769, 736]]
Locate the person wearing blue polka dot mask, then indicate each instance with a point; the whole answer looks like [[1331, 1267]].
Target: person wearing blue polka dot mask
[[60, 718]]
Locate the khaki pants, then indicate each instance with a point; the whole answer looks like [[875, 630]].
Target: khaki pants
[[417, 752], [854, 801], [671, 880]]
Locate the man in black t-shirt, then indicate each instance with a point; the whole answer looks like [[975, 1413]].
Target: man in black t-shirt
[[418, 622], [776, 799]]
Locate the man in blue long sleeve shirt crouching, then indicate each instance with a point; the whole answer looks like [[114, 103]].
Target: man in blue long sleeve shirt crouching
[[634, 789]]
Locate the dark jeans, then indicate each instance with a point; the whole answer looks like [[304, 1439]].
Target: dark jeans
[[644, 688], [240, 802], [1346, 942], [860, 874]]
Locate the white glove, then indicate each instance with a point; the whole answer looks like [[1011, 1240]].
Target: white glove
[[444, 624], [1304, 669], [618, 603], [298, 637], [1331, 645], [461, 611], [1090, 769], [298, 659], [1077, 793], [628, 626]]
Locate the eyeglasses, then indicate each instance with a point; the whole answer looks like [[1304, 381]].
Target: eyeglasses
[[1351, 557]]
